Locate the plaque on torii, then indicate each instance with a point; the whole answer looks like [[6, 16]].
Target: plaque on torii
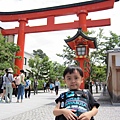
[[81, 9]]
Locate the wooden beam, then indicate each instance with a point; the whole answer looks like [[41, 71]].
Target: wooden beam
[[57, 27], [89, 6]]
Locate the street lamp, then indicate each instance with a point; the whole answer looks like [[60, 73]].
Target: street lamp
[[81, 50]]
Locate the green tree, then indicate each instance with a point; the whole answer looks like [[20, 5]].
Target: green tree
[[44, 69], [98, 58], [68, 56], [105, 43], [39, 67], [57, 70], [40, 53], [7, 54]]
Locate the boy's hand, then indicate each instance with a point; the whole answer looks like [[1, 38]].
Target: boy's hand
[[85, 116], [69, 115]]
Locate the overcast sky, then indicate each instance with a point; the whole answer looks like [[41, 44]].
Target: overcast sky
[[52, 42]]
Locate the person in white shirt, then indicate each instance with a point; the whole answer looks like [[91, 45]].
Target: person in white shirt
[[8, 78], [57, 86]]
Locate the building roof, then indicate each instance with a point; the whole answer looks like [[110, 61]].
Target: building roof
[[54, 7], [81, 38], [114, 50]]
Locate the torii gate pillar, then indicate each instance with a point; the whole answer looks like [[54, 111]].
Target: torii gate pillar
[[82, 20], [83, 24], [21, 44]]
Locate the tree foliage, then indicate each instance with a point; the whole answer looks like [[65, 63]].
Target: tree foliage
[[39, 53], [44, 69], [7, 54], [104, 44], [68, 56], [98, 58]]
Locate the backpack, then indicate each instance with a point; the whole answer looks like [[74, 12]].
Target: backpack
[[26, 85], [51, 86], [17, 80], [68, 102]]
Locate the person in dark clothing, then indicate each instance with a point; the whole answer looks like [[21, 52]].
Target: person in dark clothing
[[91, 87], [35, 85], [57, 86], [4, 86], [47, 86], [1, 84]]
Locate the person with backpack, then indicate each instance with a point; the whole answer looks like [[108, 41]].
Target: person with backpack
[[75, 104], [52, 86], [27, 87], [8, 78]]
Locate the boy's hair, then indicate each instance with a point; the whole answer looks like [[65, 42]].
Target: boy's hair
[[71, 69]]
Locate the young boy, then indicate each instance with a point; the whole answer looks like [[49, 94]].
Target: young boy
[[76, 104]]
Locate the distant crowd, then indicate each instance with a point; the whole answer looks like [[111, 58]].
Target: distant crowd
[[17, 85], [21, 88], [50, 86]]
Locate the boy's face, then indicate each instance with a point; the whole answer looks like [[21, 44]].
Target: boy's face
[[73, 80]]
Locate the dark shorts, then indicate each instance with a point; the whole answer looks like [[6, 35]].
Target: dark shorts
[[51, 88], [1, 90]]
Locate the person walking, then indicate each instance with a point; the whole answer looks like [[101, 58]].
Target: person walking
[[27, 87], [48, 86], [21, 86], [44, 86], [3, 86], [1, 83], [35, 86], [75, 104], [52, 86], [57, 86], [1, 89], [8, 78]]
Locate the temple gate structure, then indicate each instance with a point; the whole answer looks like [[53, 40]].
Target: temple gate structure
[[81, 9]]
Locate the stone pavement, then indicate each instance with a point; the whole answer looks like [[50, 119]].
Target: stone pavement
[[41, 105]]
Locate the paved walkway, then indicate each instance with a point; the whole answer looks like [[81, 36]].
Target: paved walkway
[[40, 107]]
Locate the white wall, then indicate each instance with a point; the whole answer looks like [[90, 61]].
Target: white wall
[[118, 60]]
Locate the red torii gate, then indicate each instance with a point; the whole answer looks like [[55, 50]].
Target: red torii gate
[[80, 9]]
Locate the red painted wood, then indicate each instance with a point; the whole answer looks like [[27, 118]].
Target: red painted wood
[[21, 44], [57, 27], [82, 19], [107, 4]]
